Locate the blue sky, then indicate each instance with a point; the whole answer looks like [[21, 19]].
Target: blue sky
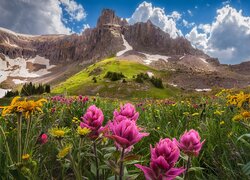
[[221, 28], [203, 11]]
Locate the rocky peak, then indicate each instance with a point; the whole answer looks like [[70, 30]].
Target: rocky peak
[[109, 18]]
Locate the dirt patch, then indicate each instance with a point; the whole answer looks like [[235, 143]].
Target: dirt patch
[[95, 72]]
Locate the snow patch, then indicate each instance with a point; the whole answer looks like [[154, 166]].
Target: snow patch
[[127, 47], [172, 84], [181, 57], [3, 91], [42, 61], [154, 57], [150, 74], [18, 81], [204, 60], [203, 90]]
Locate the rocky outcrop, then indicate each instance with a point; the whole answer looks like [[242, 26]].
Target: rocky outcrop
[[149, 38]]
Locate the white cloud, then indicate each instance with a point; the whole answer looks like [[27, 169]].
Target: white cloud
[[85, 26], [145, 11], [176, 15], [76, 11], [190, 12], [227, 38], [37, 16], [187, 24]]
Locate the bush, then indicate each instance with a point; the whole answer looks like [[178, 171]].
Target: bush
[[114, 76], [157, 82]]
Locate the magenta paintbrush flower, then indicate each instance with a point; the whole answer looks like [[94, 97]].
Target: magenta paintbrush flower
[[128, 111], [93, 120], [43, 138], [163, 159], [190, 143], [125, 133]]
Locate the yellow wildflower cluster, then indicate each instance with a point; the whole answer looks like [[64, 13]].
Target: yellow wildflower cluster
[[23, 106], [240, 100], [75, 120], [25, 157], [64, 152], [58, 132], [83, 131]]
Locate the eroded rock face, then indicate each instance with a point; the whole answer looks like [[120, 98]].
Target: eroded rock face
[[149, 38], [95, 44]]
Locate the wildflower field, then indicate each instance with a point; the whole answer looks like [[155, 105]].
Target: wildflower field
[[79, 137]]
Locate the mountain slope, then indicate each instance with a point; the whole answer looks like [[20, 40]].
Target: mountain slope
[[82, 82]]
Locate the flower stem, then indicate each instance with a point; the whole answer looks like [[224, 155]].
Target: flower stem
[[96, 161], [121, 164], [27, 135], [187, 167], [19, 137], [6, 145]]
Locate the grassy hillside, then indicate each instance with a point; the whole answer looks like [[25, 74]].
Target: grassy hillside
[[82, 82]]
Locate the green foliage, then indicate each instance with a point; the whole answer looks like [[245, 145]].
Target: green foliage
[[114, 76], [11, 94], [32, 89], [157, 82]]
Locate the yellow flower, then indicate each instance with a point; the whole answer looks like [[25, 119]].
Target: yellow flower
[[186, 113], [222, 122], [230, 134], [217, 112], [246, 114], [237, 117], [25, 107], [195, 114], [83, 131], [25, 157], [75, 120], [64, 152], [158, 128], [58, 132]]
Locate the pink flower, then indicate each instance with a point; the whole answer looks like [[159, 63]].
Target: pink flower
[[190, 143], [93, 120], [128, 111], [43, 138], [125, 133], [163, 159]]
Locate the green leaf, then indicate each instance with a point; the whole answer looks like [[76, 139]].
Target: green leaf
[[246, 169], [195, 169]]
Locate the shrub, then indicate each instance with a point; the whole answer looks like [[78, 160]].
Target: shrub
[[114, 76]]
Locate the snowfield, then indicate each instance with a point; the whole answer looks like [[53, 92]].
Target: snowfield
[[127, 47], [18, 68]]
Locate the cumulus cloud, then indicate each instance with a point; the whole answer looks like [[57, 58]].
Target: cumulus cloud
[[76, 11], [227, 38], [145, 11], [187, 24], [38, 16]]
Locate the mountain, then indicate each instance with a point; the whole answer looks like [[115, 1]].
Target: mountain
[[54, 58]]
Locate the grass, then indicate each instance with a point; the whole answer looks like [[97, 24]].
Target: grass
[[82, 83]]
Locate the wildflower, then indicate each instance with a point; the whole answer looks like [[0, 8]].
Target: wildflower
[[83, 131], [195, 114], [58, 132], [128, 111], [43, 138], [25, 157], [25, 107], [190, 143], [163, 159], [93, 120], [245, 114], [217, 112], [222, 122], [75, 120], [64, 152], [237, 117], [186, 113], [125, 133]]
